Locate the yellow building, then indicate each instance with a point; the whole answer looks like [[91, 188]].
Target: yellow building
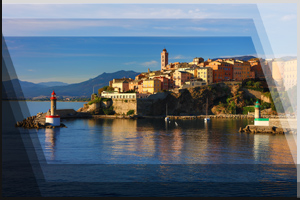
[[151, 86], [193, 71], [206, 74]]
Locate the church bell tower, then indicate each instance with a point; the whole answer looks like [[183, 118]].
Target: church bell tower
[[164, 59]]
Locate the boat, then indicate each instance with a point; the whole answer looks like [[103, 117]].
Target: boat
[[206, 119]]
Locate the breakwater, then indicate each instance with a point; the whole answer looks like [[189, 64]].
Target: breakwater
[[212, 116], [39, 121], [34, 122], [267, 129]]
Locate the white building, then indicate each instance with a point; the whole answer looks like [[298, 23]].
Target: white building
[[117, 95], [290, 74]]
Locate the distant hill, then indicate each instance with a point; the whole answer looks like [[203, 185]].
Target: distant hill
[[287, 58], [244, 58], [52, 83], [83, 89], [12, 89]]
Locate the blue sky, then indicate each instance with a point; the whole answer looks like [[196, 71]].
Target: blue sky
[[69, 38], [76, 59]]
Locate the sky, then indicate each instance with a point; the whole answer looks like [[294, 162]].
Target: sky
[[72, 43], [76, 59]]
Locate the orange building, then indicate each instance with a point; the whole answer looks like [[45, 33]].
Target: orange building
[[134, 85], [180, 77], [257, 68], [140, 76], [246, 69], [165, 82], [204, 63], [222, 71]]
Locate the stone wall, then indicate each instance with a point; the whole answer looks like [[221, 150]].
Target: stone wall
[[65, 112], [256, 94], [122, 106], [145, 106], [265, 99]]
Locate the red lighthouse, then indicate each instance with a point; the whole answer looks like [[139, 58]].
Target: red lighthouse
[[53, 103], [53, 118]]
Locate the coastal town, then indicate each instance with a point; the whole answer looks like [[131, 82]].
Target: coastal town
[[213, 88], [245, 80], [196, 73]]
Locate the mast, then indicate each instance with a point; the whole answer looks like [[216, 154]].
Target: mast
[[206, 106], [166, 109]]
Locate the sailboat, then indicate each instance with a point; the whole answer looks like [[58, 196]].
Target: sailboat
[[166, 118], [206, 118]]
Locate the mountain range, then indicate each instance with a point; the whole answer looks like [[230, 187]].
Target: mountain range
[[83, 89], [244, 58], [53, 83]]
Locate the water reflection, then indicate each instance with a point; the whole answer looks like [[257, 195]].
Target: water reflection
[[152, 141], [50, 141], [261, 147]]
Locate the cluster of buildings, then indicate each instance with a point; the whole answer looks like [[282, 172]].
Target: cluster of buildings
[[200, 72], [284, 72], [186, 75]]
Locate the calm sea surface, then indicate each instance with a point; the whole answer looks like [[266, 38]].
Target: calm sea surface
[[43, 106], [150, 150]]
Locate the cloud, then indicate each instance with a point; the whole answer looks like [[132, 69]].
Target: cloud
[[145, 64], [180, 57], [130, 63], [189, 28], [31, 70], [34, 54], [197, 28], [237, 55], [164, 28], [288, 17], [150, 63], [16, 27]]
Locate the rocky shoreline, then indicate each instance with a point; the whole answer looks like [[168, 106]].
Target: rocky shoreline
[[187, 116], [38, 121], [266, 129], [33, 123]]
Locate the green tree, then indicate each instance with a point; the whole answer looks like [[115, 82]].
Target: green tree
[[257, 85], [249, 83], [231, 107], [109, 111], [130, 91], [130, 112], [105, 88]]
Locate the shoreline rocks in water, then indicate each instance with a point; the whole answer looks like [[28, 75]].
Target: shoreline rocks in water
[[265, 129], [36, 123]]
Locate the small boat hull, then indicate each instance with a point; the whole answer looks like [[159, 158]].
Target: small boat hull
[[206, 119]]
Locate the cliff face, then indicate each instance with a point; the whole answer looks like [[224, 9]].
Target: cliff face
[[222, 99], [187, 101]]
